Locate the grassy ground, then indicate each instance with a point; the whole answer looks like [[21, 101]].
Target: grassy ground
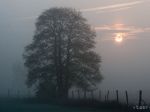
[[45, 108], [14, 105]]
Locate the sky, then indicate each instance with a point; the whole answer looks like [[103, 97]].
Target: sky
[[122, 27]]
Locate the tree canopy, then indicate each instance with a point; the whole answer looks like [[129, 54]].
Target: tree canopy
[[62, 54]]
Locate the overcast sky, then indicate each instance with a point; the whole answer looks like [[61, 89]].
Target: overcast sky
[[126, 64]]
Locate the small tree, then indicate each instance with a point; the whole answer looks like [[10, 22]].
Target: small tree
[[61, 54]]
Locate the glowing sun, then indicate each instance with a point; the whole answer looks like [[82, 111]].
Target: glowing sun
[[119, 37]]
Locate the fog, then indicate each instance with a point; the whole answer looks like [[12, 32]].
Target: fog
[[125, 65]]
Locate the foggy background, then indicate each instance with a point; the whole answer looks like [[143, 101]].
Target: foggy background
[[125, 66]]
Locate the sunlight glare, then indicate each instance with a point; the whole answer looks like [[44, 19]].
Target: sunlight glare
[[119, 37]]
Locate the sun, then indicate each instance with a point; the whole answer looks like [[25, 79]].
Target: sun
[[119, 37]]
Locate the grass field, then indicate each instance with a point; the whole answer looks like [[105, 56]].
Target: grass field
[[21, 106], [44, 108]]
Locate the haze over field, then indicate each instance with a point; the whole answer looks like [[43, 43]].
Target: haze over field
[[123, 36]]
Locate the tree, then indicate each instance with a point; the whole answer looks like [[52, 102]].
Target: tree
[[61, 54]]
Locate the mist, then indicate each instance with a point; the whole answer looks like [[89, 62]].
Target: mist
[[125, 66]]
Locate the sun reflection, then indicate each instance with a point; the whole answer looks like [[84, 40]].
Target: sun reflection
[[119, 37]]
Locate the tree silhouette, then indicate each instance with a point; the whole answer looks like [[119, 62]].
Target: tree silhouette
[[61, 54]]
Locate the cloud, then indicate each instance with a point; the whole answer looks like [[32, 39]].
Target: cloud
[[117, 7], [122, 28], [130, 31], [113, 10]]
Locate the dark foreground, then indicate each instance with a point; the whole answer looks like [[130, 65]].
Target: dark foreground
[[14, 105], [44, 108]]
